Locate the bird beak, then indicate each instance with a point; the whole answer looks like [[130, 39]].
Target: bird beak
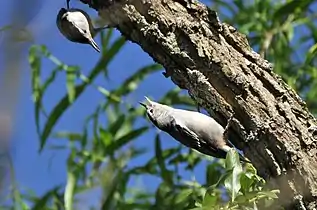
[[142, 104], [148, 102]]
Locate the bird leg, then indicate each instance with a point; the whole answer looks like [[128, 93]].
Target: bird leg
[[226, 131], [67, 3]]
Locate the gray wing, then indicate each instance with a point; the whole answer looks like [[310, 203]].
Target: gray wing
[[190, 139], [88, 19], [185, 136]]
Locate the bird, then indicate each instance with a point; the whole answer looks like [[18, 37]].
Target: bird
[[76, 26], [192, 129]]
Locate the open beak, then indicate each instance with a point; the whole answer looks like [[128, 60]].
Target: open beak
[[148, 101], [142, 104]]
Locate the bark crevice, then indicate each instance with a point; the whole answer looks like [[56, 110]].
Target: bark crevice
[[215, 63]]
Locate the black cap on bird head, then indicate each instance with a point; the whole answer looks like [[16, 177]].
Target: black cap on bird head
[[61, 12]]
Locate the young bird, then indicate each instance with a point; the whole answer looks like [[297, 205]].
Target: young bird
[[193, 129], [76, 26]]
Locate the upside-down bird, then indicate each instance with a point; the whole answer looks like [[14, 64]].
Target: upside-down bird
[[76, 26], [192, 129]]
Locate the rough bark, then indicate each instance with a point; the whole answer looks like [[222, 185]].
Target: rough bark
[[215, 63]]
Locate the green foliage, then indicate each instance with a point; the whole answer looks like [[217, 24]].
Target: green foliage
[[246, 190], [99, 156], [283, 32]]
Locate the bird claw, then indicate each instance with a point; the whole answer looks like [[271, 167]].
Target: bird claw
[[226, 131]]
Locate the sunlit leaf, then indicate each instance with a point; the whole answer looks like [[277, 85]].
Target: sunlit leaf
[[69, 191], [105, 136], [232, 182]]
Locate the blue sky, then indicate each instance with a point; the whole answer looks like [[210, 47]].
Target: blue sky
[[40, 172]]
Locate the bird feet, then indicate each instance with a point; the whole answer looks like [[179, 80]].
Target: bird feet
[[229, 122]]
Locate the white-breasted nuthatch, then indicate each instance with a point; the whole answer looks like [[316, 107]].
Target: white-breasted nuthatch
[[192, 129], [76, 26]]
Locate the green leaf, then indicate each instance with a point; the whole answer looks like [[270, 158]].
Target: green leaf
[[246, 182], [35, 63], [311, 54], [111, 180], [232, 159], [173, 97], [165, 173], [132, 82], [71, 73], [5, 28], [42, 201], [183, 196], [130, 136], [106, 137], [68, 135], [105, 39], [64, 103], [162, 197], [69, 190], [290, 8], [269, 194], [213, 173], [232, 182], [193, 159], [115, 126], [210, 201], [107, 58], [56, 113]]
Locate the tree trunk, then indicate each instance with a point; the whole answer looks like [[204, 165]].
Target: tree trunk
[[215, 63]]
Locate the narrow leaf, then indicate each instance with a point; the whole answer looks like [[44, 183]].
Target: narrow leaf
[[125, 139], [165, 173], [232, 182], [69, 191]]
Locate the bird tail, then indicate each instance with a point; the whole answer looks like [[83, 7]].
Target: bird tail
[[94, 44], [226, 148]]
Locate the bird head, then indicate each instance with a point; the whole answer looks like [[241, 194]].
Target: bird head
[[60, 15], [153, 110]]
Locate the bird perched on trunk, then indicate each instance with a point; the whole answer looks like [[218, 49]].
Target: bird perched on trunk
[[192, 129], [76, 26]]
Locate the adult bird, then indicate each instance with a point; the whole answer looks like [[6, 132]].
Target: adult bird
[[76, 26], [193, 129]]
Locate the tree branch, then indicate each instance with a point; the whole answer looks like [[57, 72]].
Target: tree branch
[[215, 63]]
